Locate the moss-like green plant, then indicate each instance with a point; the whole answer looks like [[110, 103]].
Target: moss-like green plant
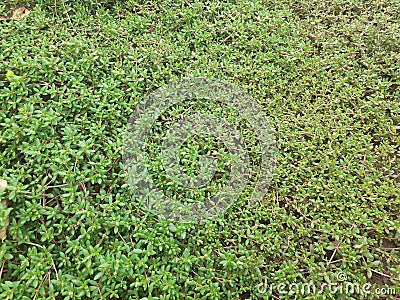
[[327, 73]]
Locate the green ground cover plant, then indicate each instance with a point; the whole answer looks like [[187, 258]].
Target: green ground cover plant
[[327, 74]]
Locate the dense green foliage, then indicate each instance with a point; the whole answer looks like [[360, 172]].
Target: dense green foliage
[[327, 73]]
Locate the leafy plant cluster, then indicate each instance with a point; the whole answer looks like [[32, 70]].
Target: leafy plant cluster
[[325, 72]]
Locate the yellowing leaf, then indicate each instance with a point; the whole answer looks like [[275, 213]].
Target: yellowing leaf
[[11, 77]]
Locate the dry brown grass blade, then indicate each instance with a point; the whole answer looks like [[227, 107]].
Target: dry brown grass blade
[[17, 14], [3, 230]]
